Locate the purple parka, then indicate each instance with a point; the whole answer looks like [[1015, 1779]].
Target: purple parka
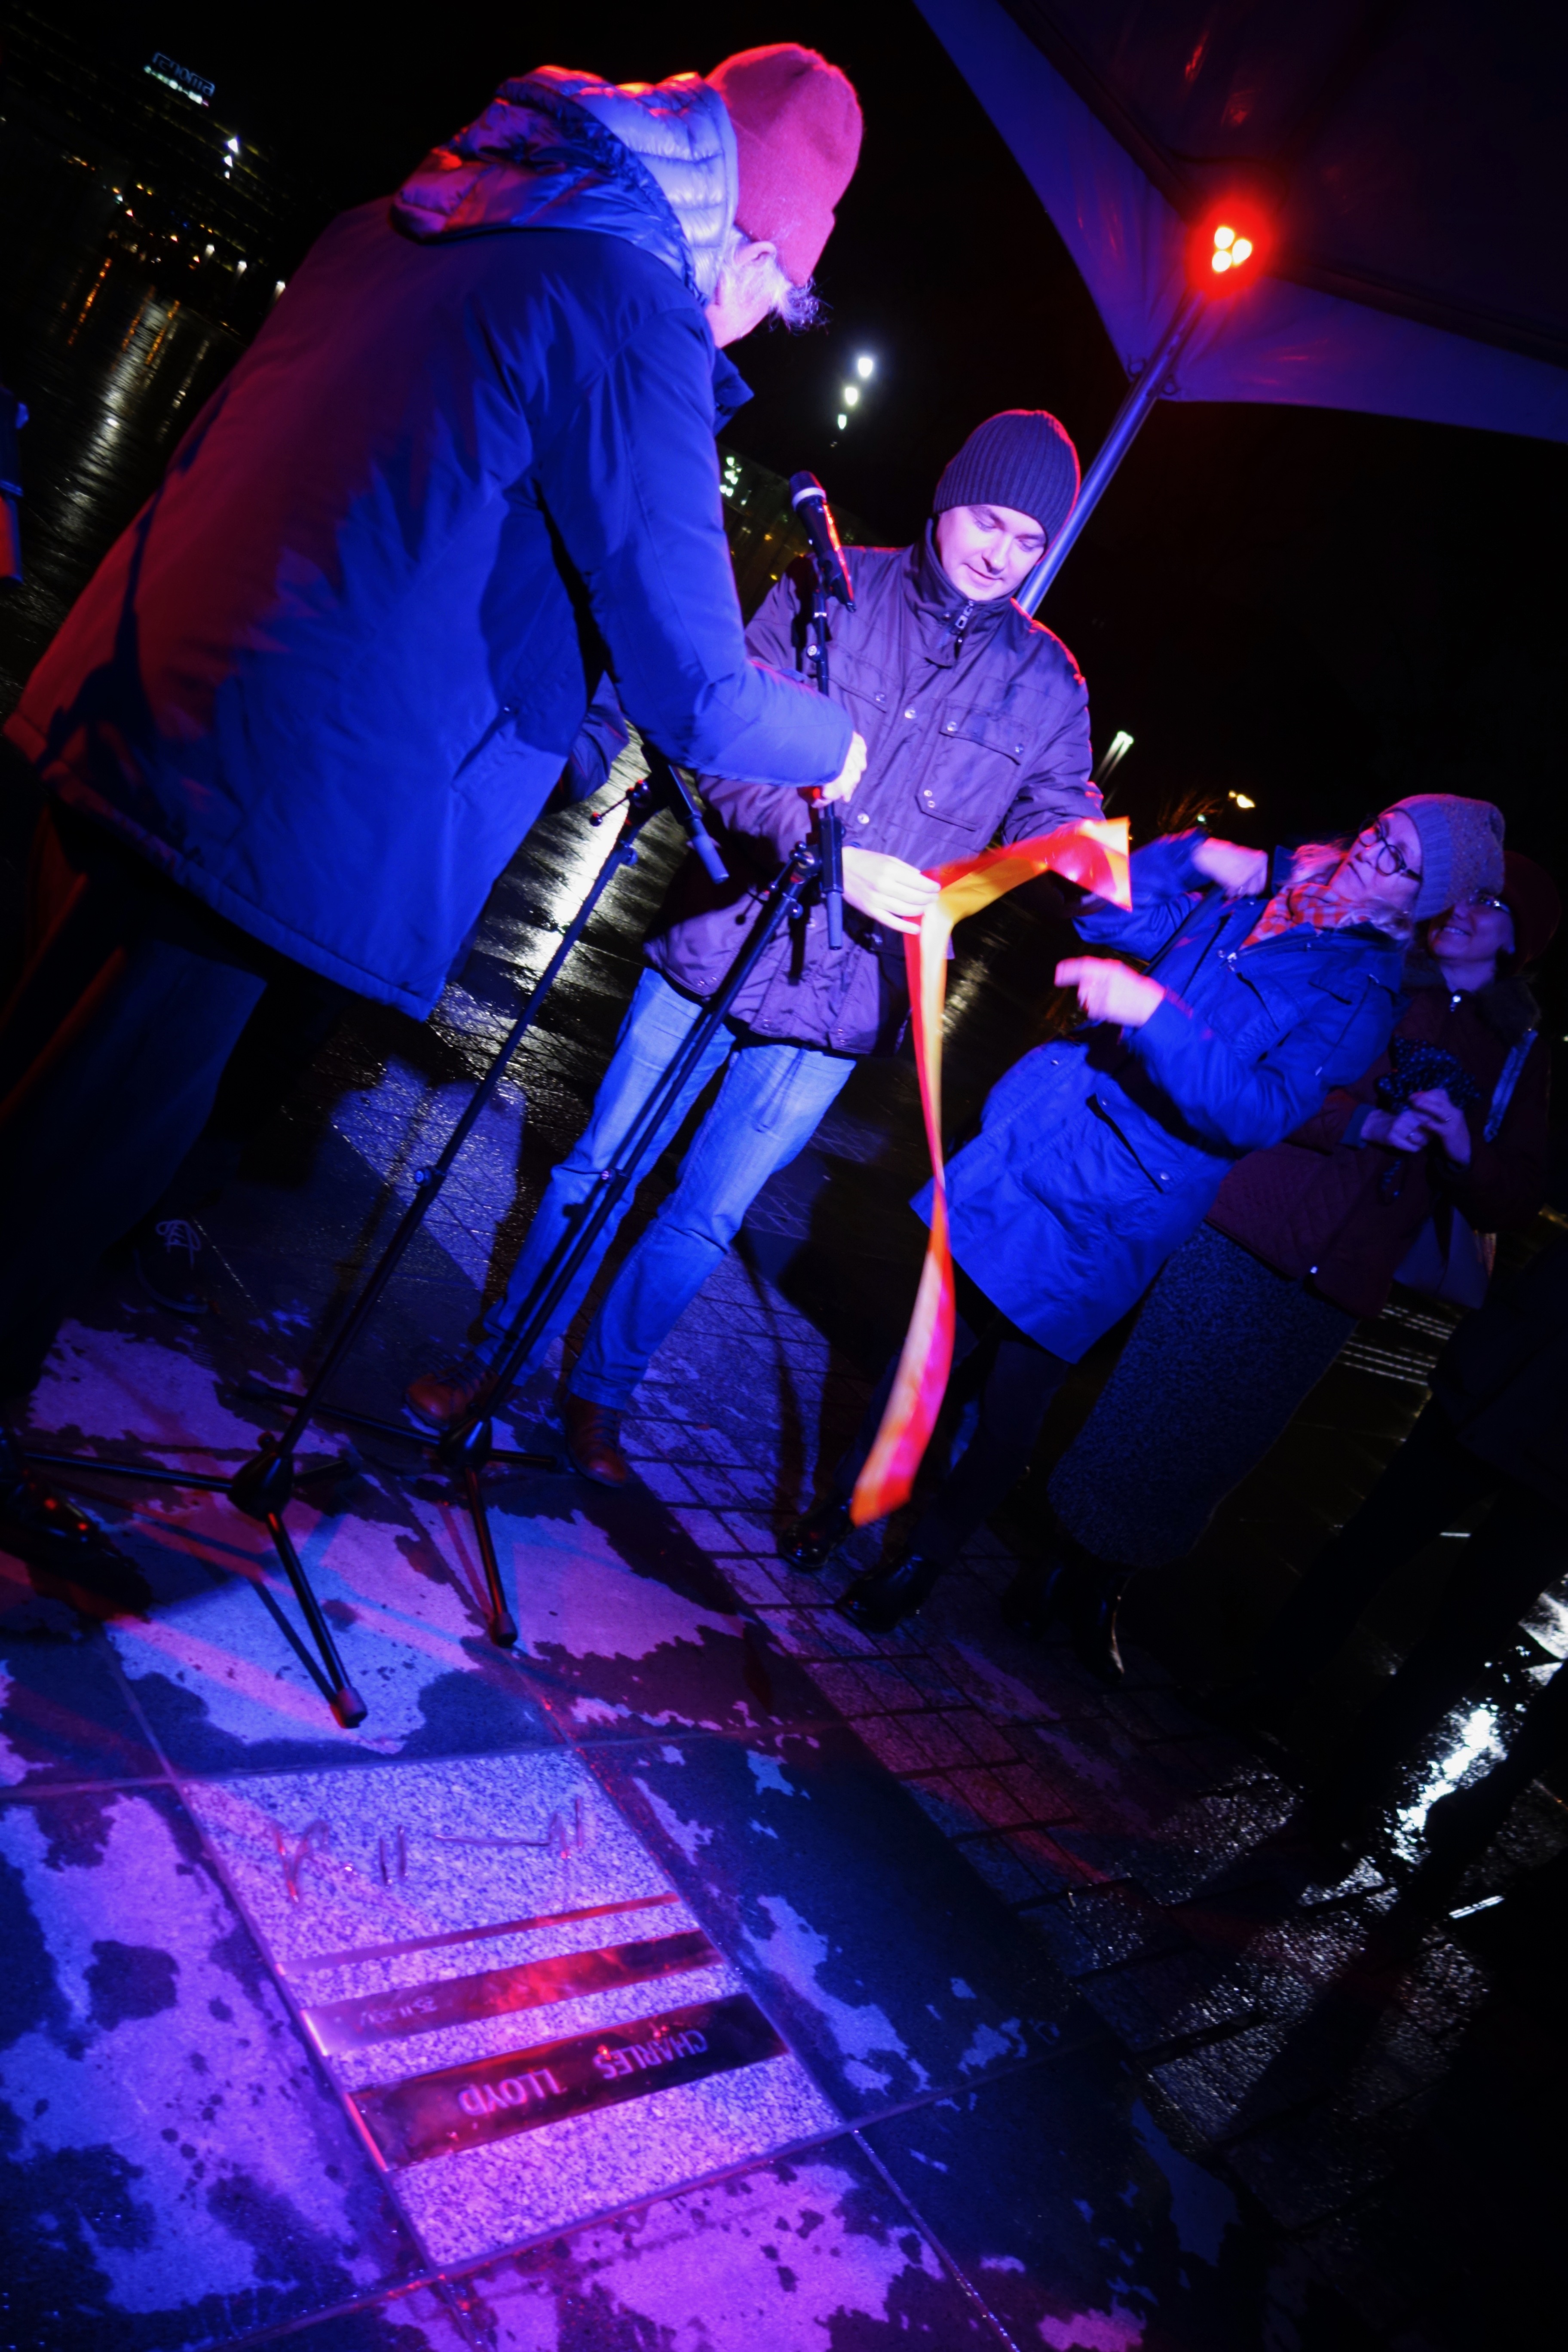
[[976, 722]]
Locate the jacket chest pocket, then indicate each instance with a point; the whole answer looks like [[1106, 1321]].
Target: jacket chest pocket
[[1249, 1011], [969, 766]]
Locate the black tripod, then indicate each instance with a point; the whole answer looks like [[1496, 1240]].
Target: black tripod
[[465, 1449], [264, 1486]]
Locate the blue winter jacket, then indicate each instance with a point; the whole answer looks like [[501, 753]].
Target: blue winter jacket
[[330, 673], [1098, 1155]]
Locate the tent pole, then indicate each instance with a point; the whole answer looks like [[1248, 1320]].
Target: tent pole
[[1154, 383]]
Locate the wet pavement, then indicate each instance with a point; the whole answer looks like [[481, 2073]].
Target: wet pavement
[[701, 1974]]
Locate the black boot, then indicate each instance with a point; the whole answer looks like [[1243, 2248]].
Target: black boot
[[71, 1553], [1071, 1584], [1092, 1605], [884, 1597], [811, 1541]]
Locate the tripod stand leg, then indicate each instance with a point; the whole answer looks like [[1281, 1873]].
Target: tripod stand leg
[[502, 1626], [346, 1703]]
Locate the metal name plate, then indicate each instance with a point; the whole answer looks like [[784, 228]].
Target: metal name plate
[[363, 2019], [468, 2106]]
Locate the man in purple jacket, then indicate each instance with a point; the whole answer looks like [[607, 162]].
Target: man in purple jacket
[[976, 720]]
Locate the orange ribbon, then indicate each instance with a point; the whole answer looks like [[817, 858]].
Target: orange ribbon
[[1095, 855]]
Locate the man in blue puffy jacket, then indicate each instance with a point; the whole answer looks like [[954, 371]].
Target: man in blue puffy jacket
[[313, 698]]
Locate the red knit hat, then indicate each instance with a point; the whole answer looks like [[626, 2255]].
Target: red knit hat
[[1530, 896], [797, 130]]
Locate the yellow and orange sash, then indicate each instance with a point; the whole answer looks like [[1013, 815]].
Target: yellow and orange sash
[[1095, 855]]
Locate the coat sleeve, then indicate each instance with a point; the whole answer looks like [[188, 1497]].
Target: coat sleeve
[[632, 488], [1248, 1104], [602, 738], [1505, 1183], [752, 811], [1339, 1120], [1166, 887]]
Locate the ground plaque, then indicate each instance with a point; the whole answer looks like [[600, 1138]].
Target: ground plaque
[[465, 2106], [417, 1912], [357, 2024]]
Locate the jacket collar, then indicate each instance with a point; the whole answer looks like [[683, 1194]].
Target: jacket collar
[[731, 390], [1508, 1007], [948, 617]]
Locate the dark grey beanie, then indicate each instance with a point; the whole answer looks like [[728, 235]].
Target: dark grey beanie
[[1021, 459], [1462, 848]]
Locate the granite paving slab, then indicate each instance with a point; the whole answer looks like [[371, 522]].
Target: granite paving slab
[[888, 1962], [174, 2167], [220, 1662], [624, 1618], [423, 2318], [398, 1906], [813, 2255], [64, 1715]]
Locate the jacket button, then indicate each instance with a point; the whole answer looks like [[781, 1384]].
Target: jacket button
[[952, 726], [864, 819], [909, 714]]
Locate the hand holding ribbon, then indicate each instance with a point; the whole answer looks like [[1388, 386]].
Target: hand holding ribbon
[[1095, 853]]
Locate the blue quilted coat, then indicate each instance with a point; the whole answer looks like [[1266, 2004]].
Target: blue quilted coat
[[1098, 1155]]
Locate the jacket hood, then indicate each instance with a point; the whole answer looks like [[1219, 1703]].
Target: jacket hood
[[652, 162]]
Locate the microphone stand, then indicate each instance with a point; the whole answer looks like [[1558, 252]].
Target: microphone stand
[[263, 1487], [829, 822]]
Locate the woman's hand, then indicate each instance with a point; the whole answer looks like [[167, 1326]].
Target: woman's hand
[[1240, 872], [886, 889], [1401, 1131], [1112, 992], [1445, 1122]]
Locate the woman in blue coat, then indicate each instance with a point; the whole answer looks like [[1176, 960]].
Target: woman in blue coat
[[1267, 983]]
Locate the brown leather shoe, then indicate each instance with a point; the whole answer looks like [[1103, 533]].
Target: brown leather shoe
[[442, 1398], [594, 1441]]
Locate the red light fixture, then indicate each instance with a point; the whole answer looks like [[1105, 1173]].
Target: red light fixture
[[1227, 249]]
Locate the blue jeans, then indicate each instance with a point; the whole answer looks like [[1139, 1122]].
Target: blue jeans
[[769, 1103]]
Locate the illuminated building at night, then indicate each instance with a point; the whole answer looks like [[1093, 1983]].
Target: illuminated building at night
[[105, 142]]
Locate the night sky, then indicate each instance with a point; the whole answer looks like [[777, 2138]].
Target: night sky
[[1323, 610]]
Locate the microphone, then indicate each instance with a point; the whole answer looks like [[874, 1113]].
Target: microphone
[[809, 500]]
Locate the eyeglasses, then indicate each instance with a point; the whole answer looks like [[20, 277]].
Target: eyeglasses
[[1490, 898], [1388, 857]]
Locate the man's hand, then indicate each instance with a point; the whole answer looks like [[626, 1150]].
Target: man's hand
[[1112, 992], [1445, 1122], [887, 890], [849, 774], [1401, 1131], [1240, 872]]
